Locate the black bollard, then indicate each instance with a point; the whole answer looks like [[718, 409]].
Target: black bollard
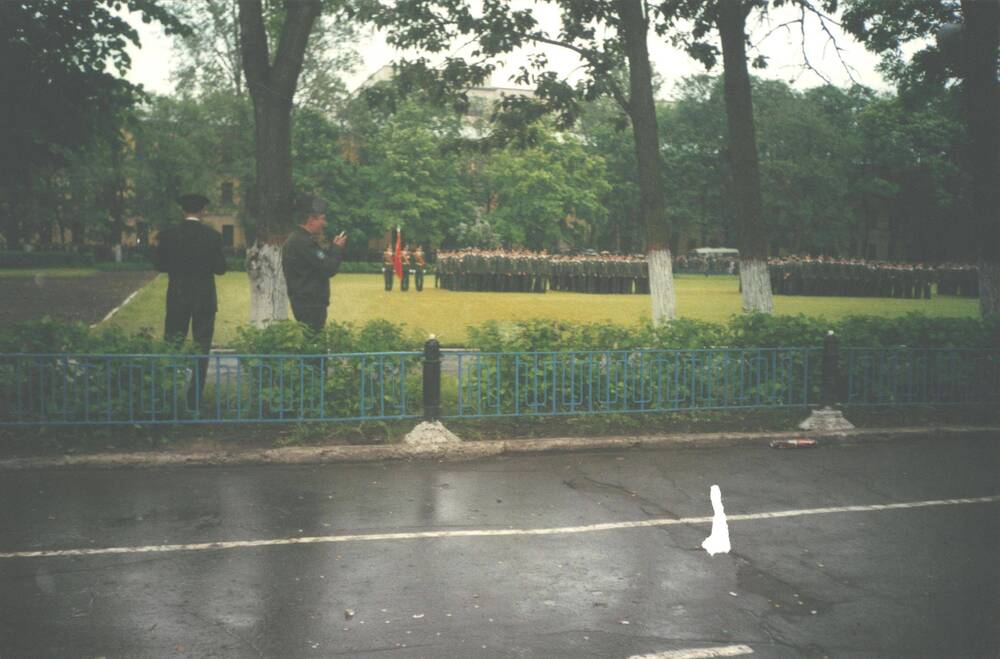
[[432, 379], [831, 371]]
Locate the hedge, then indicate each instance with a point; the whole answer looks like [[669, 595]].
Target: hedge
[[741, 331]]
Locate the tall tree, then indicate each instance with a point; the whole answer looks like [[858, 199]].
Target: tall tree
[[967, 49], [607, 36], [756, 283], [272, 84], [728, 18]]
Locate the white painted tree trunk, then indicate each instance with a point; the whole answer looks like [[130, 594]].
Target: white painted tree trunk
[[755, 282], [989, 287], [268, 293], [661, 286]]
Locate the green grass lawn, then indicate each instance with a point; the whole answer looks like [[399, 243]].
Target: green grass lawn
[[47, 272], [360, 298]]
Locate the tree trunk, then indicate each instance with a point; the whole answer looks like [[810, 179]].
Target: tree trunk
[[754, 279], [982, 107], [268, 292], [642, 111], [273, 133], [272, 87]]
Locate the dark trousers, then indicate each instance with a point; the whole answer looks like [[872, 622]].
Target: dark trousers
[[311, 315], [418, 279], [387, 275], [202, 324], [404, 283]]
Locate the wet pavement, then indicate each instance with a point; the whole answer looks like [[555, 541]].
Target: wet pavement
[[906, 582]]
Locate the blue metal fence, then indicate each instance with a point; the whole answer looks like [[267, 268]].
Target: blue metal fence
[[59, 389], [905, 376], [78, 389], [627, 381]]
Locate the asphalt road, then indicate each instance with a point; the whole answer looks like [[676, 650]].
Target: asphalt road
[[429, 559]]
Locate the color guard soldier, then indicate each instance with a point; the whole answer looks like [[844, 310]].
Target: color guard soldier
[[387, 270]]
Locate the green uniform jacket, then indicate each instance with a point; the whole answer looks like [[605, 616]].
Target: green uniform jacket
[[308, 269]]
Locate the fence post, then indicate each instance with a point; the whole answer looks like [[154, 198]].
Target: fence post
[[432, 379], [830, 392], [828, 417]]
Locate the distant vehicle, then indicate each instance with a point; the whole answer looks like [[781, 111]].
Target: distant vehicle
[[714, 252]]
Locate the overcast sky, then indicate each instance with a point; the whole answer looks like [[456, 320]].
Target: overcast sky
[[152, 63]]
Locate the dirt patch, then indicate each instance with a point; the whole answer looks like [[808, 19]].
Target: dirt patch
[[86, 299]]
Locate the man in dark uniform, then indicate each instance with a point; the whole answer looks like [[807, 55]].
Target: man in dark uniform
[[307, 266], [191, 255]]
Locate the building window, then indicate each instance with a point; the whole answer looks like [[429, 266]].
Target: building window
[[227, 235], [227, 193]]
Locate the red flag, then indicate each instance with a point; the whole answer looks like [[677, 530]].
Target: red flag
[[397, 257]]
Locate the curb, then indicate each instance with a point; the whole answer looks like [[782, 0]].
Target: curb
[[473, 450]]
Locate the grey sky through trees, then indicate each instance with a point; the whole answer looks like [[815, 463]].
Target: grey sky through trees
[[153, 63]]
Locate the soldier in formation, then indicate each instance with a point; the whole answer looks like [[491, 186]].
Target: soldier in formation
[[387, 269], [417, 259], [404, 282]]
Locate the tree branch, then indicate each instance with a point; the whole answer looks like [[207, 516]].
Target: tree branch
[[807, 6], [616, 91], [299, 18], [253, 42]]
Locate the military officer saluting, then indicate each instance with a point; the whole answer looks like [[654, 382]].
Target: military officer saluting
[[191, 255]]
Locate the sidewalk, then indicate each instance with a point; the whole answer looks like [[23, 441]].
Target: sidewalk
[[469, 450]]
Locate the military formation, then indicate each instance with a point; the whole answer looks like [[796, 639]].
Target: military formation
[[959, 279], [605, 273], [806, 275], [521, 271], [413, 264]]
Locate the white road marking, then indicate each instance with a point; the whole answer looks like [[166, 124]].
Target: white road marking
[[485, 533], [718, 540], [699, 653]]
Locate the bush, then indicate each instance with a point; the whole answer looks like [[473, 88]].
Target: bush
[[283, 379], [744, 331]]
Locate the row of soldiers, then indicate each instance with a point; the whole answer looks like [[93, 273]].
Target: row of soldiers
[[537, 272], [495, 270], [413, 264], [850, 277], [958, 279]]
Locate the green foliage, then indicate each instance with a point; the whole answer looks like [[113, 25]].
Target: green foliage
[[412, 183], [541, 193], [52, 336], [290, 337], [63, 64], [741, 331]]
